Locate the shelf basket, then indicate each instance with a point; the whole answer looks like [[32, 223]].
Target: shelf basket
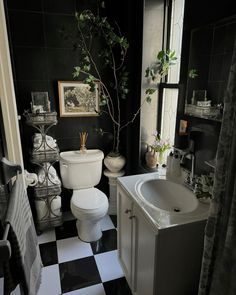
[[45, 156], [45, 191], [41, 118], [50, 222]]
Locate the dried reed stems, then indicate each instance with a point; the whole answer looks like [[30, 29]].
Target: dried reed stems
[[83, 138]]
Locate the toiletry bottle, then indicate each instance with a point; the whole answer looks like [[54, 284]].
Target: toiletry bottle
[[169, 163], [175, 167]]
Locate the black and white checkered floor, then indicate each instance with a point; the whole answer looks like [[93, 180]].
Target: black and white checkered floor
[[74, 267]]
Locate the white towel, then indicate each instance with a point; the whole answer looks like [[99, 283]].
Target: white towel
[[25, 260]]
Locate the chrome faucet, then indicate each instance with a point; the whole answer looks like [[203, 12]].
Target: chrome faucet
[[189, 154], [191, 180]]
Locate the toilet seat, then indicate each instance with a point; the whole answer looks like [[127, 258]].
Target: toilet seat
[[88, 200]]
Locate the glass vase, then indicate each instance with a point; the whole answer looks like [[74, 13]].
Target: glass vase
[[160, 158]]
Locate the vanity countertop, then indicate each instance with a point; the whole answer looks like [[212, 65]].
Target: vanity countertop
[[160, 218]]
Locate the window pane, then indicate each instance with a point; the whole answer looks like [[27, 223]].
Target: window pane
[[169, 109], [176, 30]]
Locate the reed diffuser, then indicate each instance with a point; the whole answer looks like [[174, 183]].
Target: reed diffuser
[[83, 138]]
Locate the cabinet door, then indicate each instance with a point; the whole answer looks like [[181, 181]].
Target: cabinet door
[[124, 233], [144, 254]]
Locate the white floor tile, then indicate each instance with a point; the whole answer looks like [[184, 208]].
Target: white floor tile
[[47, 236], [106, 223], [92, 290], [50, 281], [109, 266], [14, 292], [72, 248]]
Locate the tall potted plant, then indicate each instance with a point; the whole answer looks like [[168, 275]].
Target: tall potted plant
[[96, 28]]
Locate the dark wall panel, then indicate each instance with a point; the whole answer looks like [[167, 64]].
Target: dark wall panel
[[42, 55], [214, 54]]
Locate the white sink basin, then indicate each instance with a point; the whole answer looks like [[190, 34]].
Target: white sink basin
[[166, 195]]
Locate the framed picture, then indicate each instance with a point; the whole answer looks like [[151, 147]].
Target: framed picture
[[76, 99], [40, 102]]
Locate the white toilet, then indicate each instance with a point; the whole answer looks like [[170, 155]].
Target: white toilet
[[81, 171]]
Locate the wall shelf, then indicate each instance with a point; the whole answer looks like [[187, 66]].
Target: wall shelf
[[47, 191], [211, 163]]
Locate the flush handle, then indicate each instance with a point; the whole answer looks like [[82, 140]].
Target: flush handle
[[64, 165], [127, 211]]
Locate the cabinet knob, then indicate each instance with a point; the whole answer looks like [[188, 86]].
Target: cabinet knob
[[131, 217], [127, 211]]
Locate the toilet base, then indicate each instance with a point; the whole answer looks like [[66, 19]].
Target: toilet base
[[89, 231]]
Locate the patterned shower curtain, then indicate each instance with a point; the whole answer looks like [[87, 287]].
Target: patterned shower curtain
[[218, 274]]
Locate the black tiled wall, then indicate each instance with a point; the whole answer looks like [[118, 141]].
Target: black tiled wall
[[212, 48], [210, 54], [41, 57]]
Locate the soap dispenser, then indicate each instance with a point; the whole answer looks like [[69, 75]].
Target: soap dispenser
[[175, 165], [169, 163]]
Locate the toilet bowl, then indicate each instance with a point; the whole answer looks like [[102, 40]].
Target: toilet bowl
[[89, 206], [81, 171]]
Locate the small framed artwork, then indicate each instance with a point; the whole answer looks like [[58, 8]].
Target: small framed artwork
[[76, 99], [40, 102]]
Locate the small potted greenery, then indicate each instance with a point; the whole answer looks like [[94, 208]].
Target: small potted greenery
[[156, 150]]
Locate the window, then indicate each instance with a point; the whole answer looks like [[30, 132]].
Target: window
[[170, 89]]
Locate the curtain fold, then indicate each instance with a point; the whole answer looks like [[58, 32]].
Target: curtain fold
[[218, 273]]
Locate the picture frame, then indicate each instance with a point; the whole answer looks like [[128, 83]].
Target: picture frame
[[76, 100], [40, 102]]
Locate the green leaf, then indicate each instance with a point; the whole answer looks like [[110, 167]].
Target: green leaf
[[87, 68], [148, 99], [76, 73], [150, 91], [147, 72], [193, 73], [86, 58], [103, 102], [161, 54], [172, 54]]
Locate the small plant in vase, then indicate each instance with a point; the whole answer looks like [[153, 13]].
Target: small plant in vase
[[109, 60], [155, 153]]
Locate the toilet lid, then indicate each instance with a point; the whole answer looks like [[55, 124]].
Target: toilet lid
[[90, 198]]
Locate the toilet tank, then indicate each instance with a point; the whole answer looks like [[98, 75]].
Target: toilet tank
[[81, 169]]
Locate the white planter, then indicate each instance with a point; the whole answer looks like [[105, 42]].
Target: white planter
[[114, 164]]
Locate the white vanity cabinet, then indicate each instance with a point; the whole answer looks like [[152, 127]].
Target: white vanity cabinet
[[136, 245], [157, 261]]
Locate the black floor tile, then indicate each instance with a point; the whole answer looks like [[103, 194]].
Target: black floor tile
[[114, 219], [117, 287], [79, 274], [67, 230], [48, 253], [108, 242]]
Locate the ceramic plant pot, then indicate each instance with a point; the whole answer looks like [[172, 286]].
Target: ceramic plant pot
[[151, 159], [114, 163]]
